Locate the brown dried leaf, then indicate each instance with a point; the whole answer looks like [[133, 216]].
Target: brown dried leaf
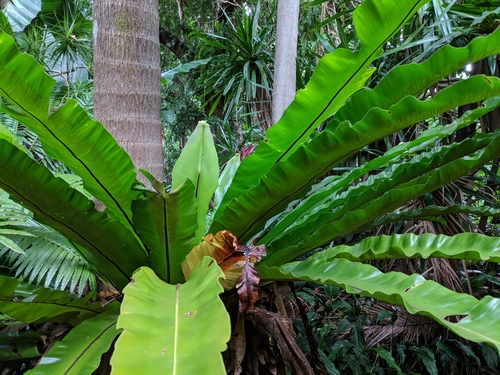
[[229, 255], [249, 277], [246, 286], [224, 245]]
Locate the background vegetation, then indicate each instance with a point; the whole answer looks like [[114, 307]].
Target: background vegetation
[[217, 66]]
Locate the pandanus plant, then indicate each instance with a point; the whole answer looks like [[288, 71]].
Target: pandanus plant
[[168, 254]]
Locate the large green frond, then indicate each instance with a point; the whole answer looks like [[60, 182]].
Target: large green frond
[[104, 243], [167, 223], [329, 188], [337, 76], [360, 209], [461, 313], [68, 134], [283, 184], [198, 163], [336, 202], [473, 246], [413, 79], [170, 323]]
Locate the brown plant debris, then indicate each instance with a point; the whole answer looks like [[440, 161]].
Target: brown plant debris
[[280, 329]]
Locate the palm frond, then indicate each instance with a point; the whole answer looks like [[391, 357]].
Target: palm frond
[[46, 258], [30, 142]]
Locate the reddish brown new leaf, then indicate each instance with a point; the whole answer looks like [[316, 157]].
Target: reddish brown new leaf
[[229, 255], [222, 248]]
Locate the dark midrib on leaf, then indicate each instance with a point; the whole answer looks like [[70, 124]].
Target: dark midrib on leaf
[[197, 185], [127, 276], [167, 253], [293, 193], [277, 203], [279, 234], [55, 302], [428, 176], [87, 348], [314, 121], [343, 86], [84, 259], [129, 221]]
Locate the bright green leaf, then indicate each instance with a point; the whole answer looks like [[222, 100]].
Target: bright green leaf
[[173, 329], [412, 79], [337, 76], [478, 320], [198, 163], [168, 76], [460, 246]]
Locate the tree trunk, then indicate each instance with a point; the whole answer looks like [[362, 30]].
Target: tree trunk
[[285, 55], [127, 92]]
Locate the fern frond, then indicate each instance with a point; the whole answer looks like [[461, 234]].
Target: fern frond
[[43, 256]]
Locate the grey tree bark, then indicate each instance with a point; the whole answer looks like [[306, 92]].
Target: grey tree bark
[[285, 56], [127, 91]]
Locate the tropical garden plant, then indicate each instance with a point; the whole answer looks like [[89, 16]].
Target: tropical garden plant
[[239, 78], [274, 217]]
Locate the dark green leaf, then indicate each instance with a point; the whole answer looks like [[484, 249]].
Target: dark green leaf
[[333, 186], [71, 214], [366, 207], [46, 305], [330, 367], [386, 356], [80, 351], [382, 315], [427, 357], [323, 95], [450, 349], [68, 134], [490, 356]]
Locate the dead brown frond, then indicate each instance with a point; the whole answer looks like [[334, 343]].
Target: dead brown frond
[[416, 328]]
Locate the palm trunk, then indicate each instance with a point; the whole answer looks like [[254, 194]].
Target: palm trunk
[[127, 78], [286, 53]]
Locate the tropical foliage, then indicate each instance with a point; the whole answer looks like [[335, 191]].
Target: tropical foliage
[[240, 73], [276, 198]]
